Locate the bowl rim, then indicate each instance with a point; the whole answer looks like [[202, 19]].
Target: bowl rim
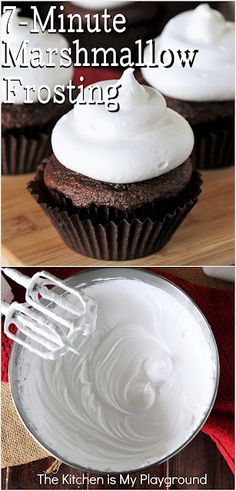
[[117, 272]]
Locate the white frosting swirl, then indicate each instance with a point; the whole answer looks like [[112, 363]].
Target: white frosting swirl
[[211, 77], [49, 76], [139, 389], [100, 4], [143, 140]]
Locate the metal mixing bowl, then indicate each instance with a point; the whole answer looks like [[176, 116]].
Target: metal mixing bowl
[[88, 276]]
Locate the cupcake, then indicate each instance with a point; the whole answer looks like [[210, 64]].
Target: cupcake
[[26, 127], [176, 7], [142, 22], [119, 183], [204, 93]]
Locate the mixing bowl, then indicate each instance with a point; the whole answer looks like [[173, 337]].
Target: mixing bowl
[[88, 277]]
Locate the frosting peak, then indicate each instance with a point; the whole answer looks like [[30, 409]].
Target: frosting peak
[[206, 25], [131, 91], [139, 109], [211, 77], [142, 140]]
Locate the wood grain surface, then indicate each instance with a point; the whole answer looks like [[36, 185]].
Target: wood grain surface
[[205, 237], [200, 457]]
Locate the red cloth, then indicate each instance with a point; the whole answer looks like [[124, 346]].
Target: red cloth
[[94, 75], [218, 307]]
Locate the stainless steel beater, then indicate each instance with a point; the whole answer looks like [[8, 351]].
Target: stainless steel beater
[[50, 320]]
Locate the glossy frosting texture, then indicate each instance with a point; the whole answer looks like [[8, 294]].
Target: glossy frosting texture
[[211, 78], [142, 140], [49, 76], [139, 389]]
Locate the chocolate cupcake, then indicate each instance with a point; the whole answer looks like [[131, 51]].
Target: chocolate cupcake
[[27, 127], [203, 93], [119, 183], [143, 21]]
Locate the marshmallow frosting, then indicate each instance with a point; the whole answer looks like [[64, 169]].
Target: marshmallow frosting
[[140, 387], [211, 77], [100, 4], [32, 76], [143, 140]]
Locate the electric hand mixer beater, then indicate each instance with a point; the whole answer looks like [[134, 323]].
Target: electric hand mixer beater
[[49, 321]]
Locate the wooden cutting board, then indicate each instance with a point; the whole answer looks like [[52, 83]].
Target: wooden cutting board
[[206, 237]]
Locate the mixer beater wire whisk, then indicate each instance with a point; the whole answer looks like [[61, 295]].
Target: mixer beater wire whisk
[[49, 320]]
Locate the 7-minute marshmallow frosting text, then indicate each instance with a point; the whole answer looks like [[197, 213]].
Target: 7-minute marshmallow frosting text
[[32, 49]]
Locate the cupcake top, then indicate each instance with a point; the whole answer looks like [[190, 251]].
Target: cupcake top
[[141, 141], [100, 4], [211, 78], [49, 76]]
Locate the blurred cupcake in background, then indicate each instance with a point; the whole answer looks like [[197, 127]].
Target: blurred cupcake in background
[[226, 8], [26, 128], [119, 184], [204, 93], [143, 22], [175, 7]]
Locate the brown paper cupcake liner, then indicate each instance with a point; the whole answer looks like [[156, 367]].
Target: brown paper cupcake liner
[[214, 147], [23, 150], [111, 235]]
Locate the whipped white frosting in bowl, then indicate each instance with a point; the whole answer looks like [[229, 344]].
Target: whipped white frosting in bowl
[[211, 78], [142, 387], [141, 141], [45, 75]]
